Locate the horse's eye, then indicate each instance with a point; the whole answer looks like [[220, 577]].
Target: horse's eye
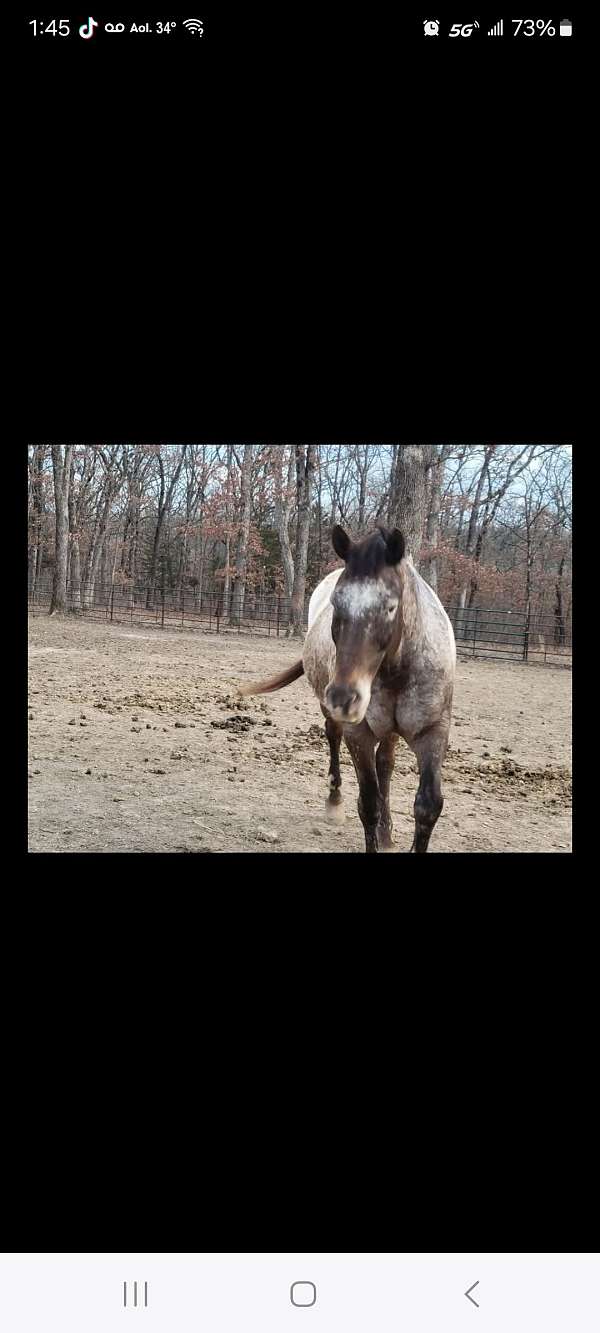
[[392, 608]]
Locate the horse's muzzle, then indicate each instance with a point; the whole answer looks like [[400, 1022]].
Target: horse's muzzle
[[343, 703]]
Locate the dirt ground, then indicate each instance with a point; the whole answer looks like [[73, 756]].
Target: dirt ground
[[138, 743]]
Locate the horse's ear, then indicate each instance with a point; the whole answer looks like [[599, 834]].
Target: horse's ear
[[394, 546], [341, 542]]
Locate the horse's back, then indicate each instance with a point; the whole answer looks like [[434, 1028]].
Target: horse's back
[[435, 624], [318, 655], [321, 595]]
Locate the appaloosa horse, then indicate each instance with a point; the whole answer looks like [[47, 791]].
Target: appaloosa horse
[[380, 656]]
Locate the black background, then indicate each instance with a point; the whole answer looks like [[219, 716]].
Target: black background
[[302, 223]]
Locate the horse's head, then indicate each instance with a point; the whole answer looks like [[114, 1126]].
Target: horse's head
[[367, 607]]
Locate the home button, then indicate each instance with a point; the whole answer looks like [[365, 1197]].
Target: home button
[[303, 1293]]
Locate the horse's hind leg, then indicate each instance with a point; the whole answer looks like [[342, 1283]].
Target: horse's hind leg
[[386, 755], [430, 750], [333, 804]]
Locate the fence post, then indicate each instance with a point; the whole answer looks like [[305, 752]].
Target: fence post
[[162, 618], [475, 630], [218, 630], [112, 600], [182, 606], [278, 611]]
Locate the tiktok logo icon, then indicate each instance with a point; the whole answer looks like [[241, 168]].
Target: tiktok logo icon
[[87, 30]]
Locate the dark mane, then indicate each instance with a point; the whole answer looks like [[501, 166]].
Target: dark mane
[[368, 557]]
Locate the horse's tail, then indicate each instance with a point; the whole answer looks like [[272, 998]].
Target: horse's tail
[[276, 682]]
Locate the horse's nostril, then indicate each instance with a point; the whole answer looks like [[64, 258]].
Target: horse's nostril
[[339, 697]]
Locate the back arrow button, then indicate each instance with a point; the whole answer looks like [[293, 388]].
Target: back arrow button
[[469, 1297]]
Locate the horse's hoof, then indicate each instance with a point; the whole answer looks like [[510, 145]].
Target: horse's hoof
[[334, 812]]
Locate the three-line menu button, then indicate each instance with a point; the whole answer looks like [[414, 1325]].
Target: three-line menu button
[[137, 1296]]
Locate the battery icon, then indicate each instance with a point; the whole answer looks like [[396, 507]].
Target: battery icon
[[566, 28]]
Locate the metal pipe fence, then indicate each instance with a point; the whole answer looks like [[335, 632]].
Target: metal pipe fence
[[496, 632], [505, 632], [266, 613]]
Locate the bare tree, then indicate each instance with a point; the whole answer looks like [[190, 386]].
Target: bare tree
[[165, 496], [305, 462], [36, 501], [137, 463], [241, 554], [61, 465], [284, 502], [561, 497], [363, 454], [435, 473], [408, 495], [111, 482], [79, 489], [169, 512]]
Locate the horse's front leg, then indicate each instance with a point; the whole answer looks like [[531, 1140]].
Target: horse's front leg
[[361, 744], [386, 755], [333, 804], [430, 750]]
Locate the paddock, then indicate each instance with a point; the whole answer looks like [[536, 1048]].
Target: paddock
[[139, 743]]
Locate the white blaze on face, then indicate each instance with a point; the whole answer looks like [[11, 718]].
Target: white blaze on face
[[360, 599]]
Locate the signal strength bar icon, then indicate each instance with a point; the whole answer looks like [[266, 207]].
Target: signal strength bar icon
[[497, 30]]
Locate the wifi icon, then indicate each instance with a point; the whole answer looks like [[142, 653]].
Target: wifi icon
[[194, 25]]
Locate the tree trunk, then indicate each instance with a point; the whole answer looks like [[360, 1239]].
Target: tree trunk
[[430, 569], [104, 565], [62, 477], [477, 554], [241, 555], [164, 503], [227, 576], [283, 509], [407, 507], [37, 502], [319, 510], [181, 568], [75, 564], [363, 472], [92, 559], [460, 625], [559, 619], [135, 540], [528, 598], [304, 472], [155, 546], [199, 573]]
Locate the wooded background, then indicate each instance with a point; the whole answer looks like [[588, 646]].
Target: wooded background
[[488, 526]]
